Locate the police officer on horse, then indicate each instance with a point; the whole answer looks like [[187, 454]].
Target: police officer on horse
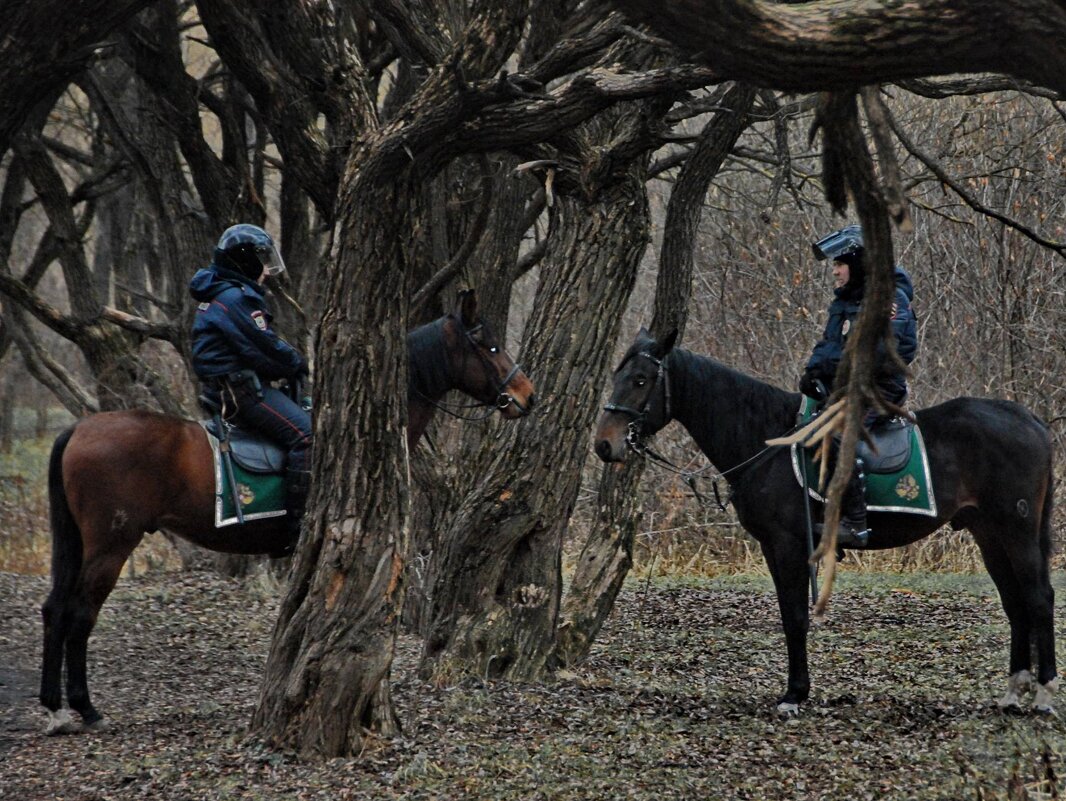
[[236, 353], [844, 248]]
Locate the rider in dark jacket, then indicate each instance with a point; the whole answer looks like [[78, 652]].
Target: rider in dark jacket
[[236, 354], [845, 249]]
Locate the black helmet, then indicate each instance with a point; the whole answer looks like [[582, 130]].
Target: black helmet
[[248, 250], [834, 246]]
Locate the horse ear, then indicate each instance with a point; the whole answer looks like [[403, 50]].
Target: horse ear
[[466, 308], [666, 344]]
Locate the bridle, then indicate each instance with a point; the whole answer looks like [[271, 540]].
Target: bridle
[[503, 397], [638, 417], [635, 434]]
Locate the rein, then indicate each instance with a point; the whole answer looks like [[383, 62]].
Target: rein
[[503, 398], [635, 436]]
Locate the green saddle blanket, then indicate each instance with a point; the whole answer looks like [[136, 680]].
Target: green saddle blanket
[[261, 495], [909, 489]]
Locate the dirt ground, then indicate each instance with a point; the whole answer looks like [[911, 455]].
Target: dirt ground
[[676, 702]]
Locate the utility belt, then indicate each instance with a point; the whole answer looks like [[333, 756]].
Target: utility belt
[[243, 389], [238, 391]]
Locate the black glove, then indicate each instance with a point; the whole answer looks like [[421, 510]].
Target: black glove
[[812, 386]]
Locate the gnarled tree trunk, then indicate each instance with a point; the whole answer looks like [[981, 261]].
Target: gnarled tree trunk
[[607, 554], [496, 585]]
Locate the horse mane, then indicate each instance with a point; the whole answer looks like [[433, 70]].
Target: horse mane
[[429, 366], [764, 410]]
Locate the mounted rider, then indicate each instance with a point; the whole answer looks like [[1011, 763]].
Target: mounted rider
[[236, 354], [844, 248]]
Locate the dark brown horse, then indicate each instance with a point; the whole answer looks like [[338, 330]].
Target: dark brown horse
[[991, 467], [116, 475]]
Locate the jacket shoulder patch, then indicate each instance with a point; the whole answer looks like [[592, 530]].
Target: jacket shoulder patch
[[260, 320]]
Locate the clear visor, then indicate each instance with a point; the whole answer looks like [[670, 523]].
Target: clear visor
[[271, 259], [835, 245]]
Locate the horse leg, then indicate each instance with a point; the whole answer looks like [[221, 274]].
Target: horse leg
[[66, 569], [56, 613], [1019, 568], [997, 562], [1031, 568], [787, 559], [98, 579]]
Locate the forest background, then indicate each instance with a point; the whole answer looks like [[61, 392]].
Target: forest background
[[982, 169], [586, 177]]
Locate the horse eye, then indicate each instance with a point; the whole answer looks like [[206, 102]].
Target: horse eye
[[641, 382], [494, 349]]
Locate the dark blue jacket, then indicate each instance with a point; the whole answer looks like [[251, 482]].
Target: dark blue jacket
[[232, 329], [842, 314]]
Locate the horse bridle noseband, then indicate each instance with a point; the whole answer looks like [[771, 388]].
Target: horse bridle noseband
[[637, 417], [503, 397]]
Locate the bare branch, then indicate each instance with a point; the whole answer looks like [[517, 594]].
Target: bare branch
[[131, 322], [459, 259], [829, 45], [879, 118], [51, 374], [934, 166]]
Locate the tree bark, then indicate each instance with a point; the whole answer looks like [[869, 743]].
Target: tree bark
[[607, 554], [495, 587], [828, 44], [326, 680]]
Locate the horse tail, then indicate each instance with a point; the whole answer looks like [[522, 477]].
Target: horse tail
[[66, 537], [1046, 538], [66, 565]]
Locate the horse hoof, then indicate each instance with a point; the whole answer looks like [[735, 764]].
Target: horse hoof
[[788, 710], [1010, 707], [97, 726], [61, 722], [1018, 685], [1044, 700]]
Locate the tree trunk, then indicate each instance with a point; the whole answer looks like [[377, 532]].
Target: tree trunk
[[496, 584], [830, 45], [607, 554], [464, 448], [8, 400], [326, 677]]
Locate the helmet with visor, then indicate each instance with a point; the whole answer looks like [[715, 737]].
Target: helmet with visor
[[249, 250]]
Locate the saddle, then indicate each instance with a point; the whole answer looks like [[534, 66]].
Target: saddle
[[896, 467], [892, 446], [249, 450]]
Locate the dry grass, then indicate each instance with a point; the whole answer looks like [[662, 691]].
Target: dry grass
[[680, 536], [25, 538], [677, 534]]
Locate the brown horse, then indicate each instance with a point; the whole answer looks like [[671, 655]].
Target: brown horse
[[991, 465], [116, 475]]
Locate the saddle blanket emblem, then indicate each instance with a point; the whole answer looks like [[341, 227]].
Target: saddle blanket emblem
[[908, 489], [261, 495]]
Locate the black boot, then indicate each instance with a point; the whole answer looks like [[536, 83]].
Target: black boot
[[853, 532], [297, 484]]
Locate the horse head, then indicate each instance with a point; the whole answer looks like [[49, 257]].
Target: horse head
[[480, 366], [640, 397]]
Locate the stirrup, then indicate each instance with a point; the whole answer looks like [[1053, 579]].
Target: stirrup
[[851, 536], [846, 535]]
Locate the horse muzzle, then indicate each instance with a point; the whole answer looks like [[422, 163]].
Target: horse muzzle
[[612, 438], [609, 452], [511, 407]]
